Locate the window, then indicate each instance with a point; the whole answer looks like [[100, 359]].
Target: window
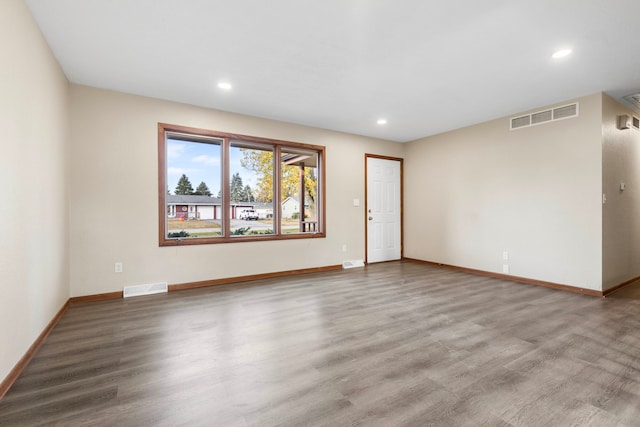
[[299, 190], [216, 187]]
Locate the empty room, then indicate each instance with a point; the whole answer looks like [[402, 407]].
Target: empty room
[[320, 213]]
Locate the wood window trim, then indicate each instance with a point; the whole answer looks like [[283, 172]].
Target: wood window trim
[[226, 137]]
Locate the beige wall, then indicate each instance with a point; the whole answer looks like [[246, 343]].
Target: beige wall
[[34, 259], [114, 170], [534, 192], [621, 212]]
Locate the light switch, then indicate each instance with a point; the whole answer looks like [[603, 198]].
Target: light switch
[[356, 202]]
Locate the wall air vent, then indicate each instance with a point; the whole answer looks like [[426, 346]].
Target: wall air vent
[[519, 122], [545, 116], [565, 112], [541, 117], [636, 123]]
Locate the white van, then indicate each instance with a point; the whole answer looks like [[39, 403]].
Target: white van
[[248, 214]]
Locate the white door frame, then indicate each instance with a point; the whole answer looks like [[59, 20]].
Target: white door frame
[[366, 202]]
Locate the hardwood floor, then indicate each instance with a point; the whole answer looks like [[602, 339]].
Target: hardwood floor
[[391, 344]]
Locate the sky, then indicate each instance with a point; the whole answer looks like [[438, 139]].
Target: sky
[[201, 162]]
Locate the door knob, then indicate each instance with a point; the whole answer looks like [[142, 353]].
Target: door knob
[[370, 218]]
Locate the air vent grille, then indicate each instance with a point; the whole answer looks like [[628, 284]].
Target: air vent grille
[[545, 116], [565, 112], [520, 122], [541, 117], [150, 289], [353, 264], [634, 100], [636, 123]]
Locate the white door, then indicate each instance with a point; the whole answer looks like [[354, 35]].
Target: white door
[[384, 216]]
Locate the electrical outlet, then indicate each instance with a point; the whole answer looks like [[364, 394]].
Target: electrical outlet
[[505, 256], [118, 267], [505, 268], [344, 248]]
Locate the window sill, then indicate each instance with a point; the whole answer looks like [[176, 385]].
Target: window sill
[[237, 239]]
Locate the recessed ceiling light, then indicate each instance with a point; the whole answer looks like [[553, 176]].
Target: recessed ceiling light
[[561, 53], [224, 85], [382, 121]]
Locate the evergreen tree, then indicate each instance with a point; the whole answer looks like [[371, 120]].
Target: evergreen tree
[[202, 190], [236, 189], [248, 194], [184, 186]]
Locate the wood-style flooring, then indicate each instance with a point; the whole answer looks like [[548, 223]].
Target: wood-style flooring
[[391, 344]]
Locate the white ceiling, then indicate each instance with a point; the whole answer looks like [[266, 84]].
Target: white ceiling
[[425, 66]]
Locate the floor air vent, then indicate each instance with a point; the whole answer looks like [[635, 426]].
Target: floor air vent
[[138, 290], [545, 116], [353, 264]]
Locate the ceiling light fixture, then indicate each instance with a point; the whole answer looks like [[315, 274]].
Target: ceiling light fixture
[[561, 53], [225, 85], [382, 121]]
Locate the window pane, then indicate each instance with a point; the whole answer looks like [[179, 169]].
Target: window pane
[[251, 189], [299, 191], [193, 175]]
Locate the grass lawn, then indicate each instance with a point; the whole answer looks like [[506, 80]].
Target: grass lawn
[[208, 234], [192, 226], [290, 231], [176, 224]]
